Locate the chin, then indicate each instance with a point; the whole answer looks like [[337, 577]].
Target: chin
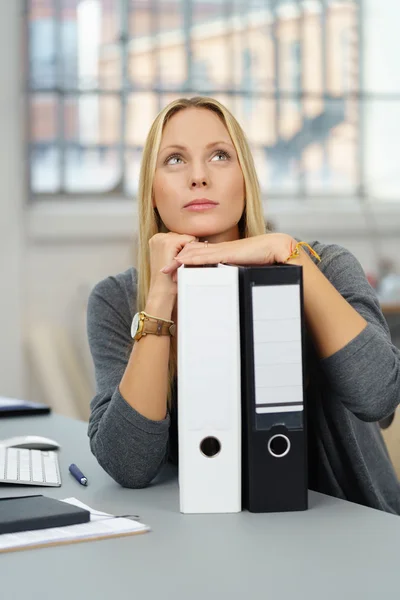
[[214, 233], [203, 232]]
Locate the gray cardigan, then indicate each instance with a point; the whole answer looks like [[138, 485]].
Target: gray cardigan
[[349, 392]]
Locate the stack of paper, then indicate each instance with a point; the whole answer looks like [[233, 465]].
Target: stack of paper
[[101, 526]]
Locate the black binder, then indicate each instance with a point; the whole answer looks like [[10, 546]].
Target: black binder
[[274, 442]]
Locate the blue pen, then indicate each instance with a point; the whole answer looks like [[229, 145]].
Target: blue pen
[[77, 473]]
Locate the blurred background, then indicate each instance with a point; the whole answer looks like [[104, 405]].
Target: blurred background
[[314, 83]]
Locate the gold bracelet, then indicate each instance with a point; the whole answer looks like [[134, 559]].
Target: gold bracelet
[[157, 318], [296, 252]]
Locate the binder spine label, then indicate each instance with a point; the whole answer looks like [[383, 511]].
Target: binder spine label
[[278, 368]]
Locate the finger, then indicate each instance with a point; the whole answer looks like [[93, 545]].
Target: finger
[[201, 258], [193, 248], [185, 240], [168, 269]]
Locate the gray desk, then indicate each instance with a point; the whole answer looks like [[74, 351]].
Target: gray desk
[[334, 550]]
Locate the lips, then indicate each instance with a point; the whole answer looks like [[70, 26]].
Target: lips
[[201, 203]]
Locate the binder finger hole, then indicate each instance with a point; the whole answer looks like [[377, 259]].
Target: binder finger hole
[[210, 446], [279, 445]]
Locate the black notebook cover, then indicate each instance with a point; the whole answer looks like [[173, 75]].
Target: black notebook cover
[[27, 513], [10, 407]]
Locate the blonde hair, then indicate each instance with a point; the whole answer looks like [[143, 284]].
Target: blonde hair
[[252, 222]]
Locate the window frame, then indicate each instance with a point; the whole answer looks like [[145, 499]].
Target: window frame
[[300, 193]]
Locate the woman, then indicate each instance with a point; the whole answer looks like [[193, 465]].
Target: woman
[[199, 203]]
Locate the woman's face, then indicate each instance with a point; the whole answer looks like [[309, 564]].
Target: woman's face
[[198, 184]]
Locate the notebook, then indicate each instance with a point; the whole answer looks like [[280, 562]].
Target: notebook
[[26, 513], [13, 407], [101, 526]]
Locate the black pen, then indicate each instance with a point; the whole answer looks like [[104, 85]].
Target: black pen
[[77, 473]]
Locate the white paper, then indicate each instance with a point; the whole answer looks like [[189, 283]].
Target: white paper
[[100, 524], [6, 402], [278, 366]]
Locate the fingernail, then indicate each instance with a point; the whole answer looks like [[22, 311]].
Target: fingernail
[[164, 270]]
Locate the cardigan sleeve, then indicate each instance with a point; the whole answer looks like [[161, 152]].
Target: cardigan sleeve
[[364, 374], [130, 447]]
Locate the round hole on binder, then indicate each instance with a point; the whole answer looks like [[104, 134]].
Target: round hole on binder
[[279, 445], [210, 446]]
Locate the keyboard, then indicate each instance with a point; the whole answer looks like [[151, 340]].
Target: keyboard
[[29, 467]]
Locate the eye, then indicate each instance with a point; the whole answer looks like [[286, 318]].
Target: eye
[[222, 155], [173, 157]]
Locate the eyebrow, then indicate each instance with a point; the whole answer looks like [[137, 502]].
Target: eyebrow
[[211, 145]]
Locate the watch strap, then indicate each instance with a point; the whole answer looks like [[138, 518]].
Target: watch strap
[[157, 327], [156, 318], [148, 324]]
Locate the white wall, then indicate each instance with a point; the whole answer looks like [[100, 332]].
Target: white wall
[[49, 263], [12, 199]]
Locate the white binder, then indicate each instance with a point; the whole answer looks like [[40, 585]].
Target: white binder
[[209, 394]]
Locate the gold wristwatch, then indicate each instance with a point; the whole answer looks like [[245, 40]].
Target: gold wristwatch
[[144, 324]]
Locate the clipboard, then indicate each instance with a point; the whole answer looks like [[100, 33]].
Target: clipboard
[[102, 526]]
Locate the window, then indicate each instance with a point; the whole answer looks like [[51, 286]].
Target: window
[[100, 70], [295, 72]]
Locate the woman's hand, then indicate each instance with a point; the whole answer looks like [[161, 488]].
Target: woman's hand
[[163, 248], [263, 249]]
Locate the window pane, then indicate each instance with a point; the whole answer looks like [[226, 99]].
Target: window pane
[[342, 47], [44, 153], [92, 132], [91, 169], [257, 117], [284, 154], [43, 117], [167, 98], [381, 149], [92, 119], [211, 62], [258, 54], [142, 108], [236, 49], [142, 49], [42, 45], [133, 158], [45, 168], [76, 45], [68, 29], [313, 35], [210, 12], [170, 15], [172, 52], [110, 48], [92, 53], [330, 154]]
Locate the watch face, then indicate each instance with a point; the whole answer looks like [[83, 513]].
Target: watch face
[[135, 324]]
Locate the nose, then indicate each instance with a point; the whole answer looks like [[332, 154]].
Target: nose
[[196, 183], [199, 176]]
